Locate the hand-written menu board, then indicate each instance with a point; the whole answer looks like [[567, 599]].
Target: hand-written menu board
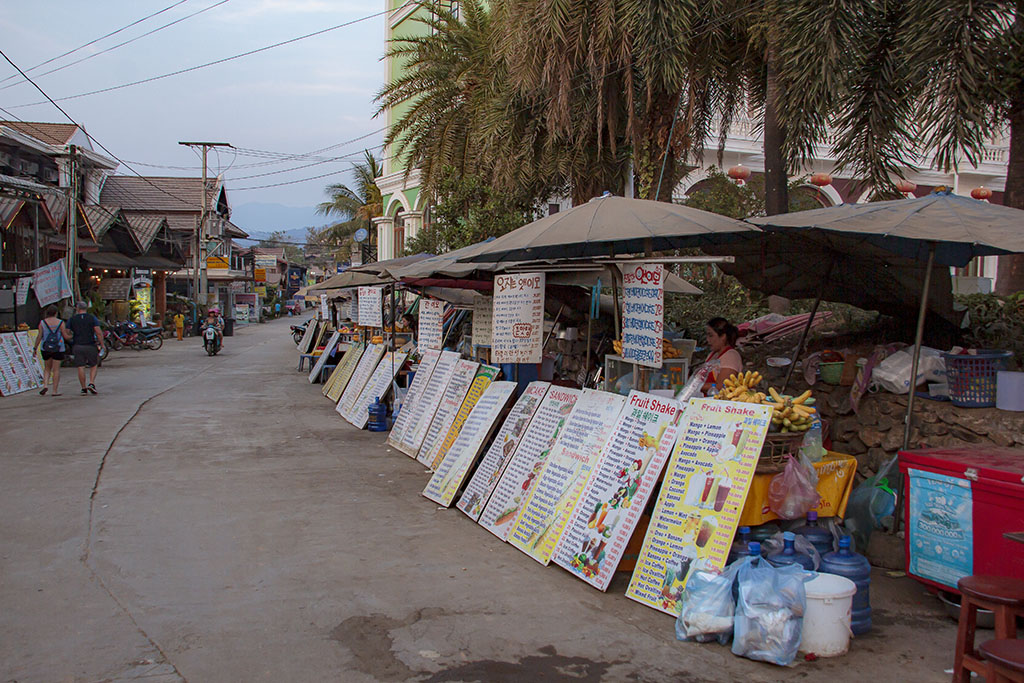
[[701, 497], [491, 467], [51, 283], [307, 337], [518, 318], [527, 462], [431, 324], [483, 312], [23, 285], [370, 304], [18, 369], [479, 426], [351, 310], [607, 513], [461, 377], [27, 341], [361, 375], [423, 371], [343, 373], [427, 405], [543, 517], [324, 313], [332, 343], [643, 312], [378, 386], [484, 376]]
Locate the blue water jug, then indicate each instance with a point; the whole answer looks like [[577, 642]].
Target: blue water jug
[[819, 536], [740, 544], [754, 549], [855, 567], [763, 532], [378, 416], [789, 554]]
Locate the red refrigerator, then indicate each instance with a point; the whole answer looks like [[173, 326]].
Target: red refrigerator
[[958, 504]]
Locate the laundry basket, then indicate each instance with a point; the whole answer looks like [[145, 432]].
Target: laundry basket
[[972, 378]]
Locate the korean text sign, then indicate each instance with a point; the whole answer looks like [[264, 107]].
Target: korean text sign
[[518, 318], [643, 313]]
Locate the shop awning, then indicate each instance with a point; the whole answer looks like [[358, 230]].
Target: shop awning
[[113, 259]]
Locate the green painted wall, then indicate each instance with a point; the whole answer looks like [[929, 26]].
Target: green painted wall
[[407, 28]]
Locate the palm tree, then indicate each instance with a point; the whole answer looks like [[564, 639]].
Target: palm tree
[[356, 205]]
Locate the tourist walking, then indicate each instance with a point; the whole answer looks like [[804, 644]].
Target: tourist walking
[[86, 345], [53, 335]]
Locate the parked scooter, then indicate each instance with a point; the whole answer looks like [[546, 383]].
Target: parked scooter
[[211, 340], [120, 335], [298, 331]]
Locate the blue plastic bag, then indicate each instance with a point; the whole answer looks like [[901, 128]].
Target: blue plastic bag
[[769, 612], [708, 607]]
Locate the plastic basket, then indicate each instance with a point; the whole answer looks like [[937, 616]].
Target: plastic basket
[[972, 378], [831, 373]]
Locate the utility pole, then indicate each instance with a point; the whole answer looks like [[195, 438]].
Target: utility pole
[[72, 235], [199, 272]]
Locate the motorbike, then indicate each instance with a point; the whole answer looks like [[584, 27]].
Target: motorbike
[[298, 331], [211, 340], [129, 334]]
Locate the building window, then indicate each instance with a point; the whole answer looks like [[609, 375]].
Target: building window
[[553, 209]]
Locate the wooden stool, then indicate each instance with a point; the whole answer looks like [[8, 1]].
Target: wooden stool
[[1005, 597], [1005, 659]]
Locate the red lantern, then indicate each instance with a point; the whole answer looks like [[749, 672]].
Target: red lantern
[[905, 186], [821, 179], [982, 193], [739, 173]]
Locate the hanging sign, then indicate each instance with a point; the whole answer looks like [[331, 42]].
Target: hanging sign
[[422, 413], [628, 468], [437, 418], [259, 274], [51, 283], [701, 497], [370, 304], [343, 373], [261, 290], [412, 396], [377, 387], [435, 455], [540, 523], [491, 467], [24, 283], [482, 316], [643, 313], [463, 454], [367, 364], [518, 318], [431, 324]]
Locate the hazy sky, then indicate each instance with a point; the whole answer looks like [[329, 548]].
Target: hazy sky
[[296, 98]]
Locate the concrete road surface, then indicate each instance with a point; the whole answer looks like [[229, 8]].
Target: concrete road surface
[[213, 519]]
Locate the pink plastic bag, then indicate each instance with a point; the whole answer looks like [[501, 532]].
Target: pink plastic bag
[[795, 490]]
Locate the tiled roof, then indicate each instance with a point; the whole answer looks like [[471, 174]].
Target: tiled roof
[[58, 208], [50, 133], [158, 194], [145, 227]]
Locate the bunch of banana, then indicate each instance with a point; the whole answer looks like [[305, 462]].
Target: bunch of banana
[[617, 345], [742, 388], [790, 414]]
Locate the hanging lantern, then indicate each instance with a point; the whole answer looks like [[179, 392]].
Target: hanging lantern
[[905, 186], [981, 193], [821, 179], [739, 173]]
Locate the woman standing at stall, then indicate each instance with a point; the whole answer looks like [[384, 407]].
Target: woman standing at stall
[[724, 360]]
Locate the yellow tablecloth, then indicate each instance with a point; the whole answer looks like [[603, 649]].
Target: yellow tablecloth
[[835, 481]]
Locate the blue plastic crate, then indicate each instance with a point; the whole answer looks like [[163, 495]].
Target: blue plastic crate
[[972, 378]]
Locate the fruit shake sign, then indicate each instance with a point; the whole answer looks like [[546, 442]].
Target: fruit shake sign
[[643, 312], [701, 497], [518, 318]]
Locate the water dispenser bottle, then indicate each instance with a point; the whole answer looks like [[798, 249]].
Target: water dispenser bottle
[[789, 554], [819, 536], [855, 567], [378, 416]]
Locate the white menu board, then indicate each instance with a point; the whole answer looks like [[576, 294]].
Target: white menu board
[[370, 304], [343, 372], [518, 318], [332, 343], [459, 459], [431, 324], [377, 386], [351, 310], [426, 406], [423, 371], [643, 313], [491, 467], [446, 410], [18, 369], [23, 285], [545, 512], [435, 456], [367, 364], [483, 312], [324, 313], [520, 475], [26, 339], [607, 513]]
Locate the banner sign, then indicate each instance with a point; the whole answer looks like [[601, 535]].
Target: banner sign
[[378, 386], [422, 413], [463, 454], [423, 371], [367, 364], [527, 462], [628, 468], [484, 376], [370, 304], [51, 283], [343, 373], [431, 324], [492, 466], [518, 318], [438, 418], [701, 497], [643, 313], [483, 312]]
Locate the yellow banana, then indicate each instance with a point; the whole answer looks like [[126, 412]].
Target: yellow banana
[[802, 397]]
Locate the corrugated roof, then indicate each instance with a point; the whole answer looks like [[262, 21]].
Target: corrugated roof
[[9, 208], [158, 194], [99, 218], [145, 227], [58, 208], [50, 133]]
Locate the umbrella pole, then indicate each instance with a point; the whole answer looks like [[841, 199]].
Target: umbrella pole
[[807, 330]]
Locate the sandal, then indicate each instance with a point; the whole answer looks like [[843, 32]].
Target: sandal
[[42, 392]]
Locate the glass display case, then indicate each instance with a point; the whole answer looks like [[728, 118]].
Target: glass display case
[[618, 374]]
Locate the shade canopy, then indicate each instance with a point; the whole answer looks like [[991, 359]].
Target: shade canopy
[[608, 226], [368, 274], [447, 264], [961, 228]]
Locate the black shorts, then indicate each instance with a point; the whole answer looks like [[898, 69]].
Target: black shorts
[[86, 356], [53, 355]]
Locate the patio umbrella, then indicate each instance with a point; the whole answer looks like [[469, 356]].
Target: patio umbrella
[[608, 226], [368, 274]]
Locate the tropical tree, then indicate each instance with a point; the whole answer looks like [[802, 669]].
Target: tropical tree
[[356, 205]]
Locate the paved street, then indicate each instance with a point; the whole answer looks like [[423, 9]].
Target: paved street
[[212, 519]]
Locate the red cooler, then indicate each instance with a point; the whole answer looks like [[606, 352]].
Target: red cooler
[[958, 504]]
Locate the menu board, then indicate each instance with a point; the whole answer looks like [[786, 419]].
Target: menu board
[[444, 412], [27, 341], [352, 309], [482, 316], [643, 313], [332, 343], [343, 372], [307, 337], [518, 318], [479, 426], [431, 324], [370, 305], [423, 371], [433, 396], [23, 285], [360, 376], [491, 467], [701, 498], [115, 288], [378, 386], [18, 369], [607, 513], [483, 378], [51, 283], [527, 461], [324, 313]]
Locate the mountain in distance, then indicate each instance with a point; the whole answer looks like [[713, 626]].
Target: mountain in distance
[[261, 219]]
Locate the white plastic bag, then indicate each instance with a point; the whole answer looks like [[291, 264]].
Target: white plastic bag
[[770, 612], [794, 491], [893, 373], [707, 607]]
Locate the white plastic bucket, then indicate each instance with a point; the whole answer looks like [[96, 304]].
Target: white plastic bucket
[[1010, 390], [826, 631]]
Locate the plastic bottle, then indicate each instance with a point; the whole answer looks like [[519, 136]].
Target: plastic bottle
[[754, 549], [763, 532], [819, 536], [789, 554], [811, 447], [712, 391], [378, 416], [855, 567], [740, 544]]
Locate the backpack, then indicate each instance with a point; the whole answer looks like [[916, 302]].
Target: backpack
[[52, 342]]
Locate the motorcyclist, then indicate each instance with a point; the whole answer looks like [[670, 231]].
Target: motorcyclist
[[214, 320]]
